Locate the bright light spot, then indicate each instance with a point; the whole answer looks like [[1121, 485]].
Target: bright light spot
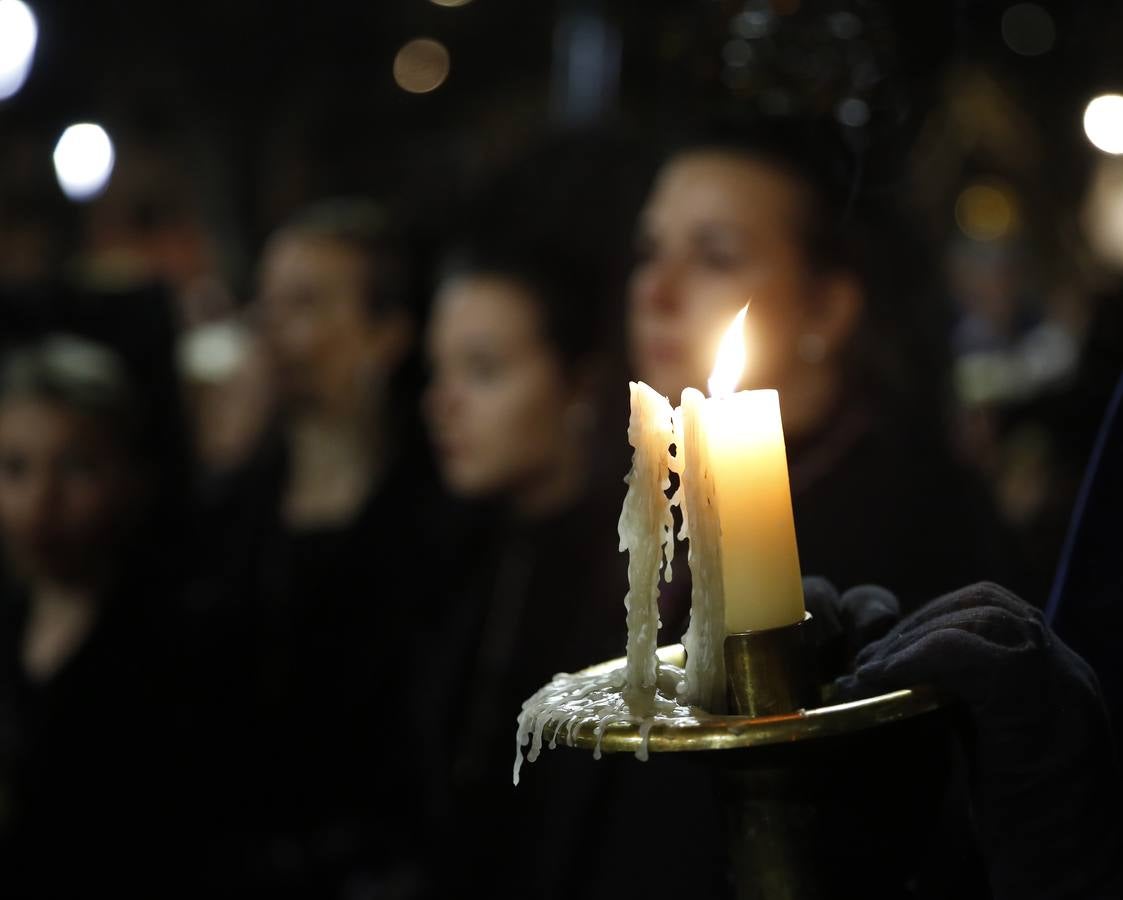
[[450, 3], [1028, 29], [421, 66], [853, 112], [984, 212], [730, 365], [214, 352], [1103, 123], [83, 160], [18, 35]]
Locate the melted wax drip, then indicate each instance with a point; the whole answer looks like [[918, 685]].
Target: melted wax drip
[[570, 702]]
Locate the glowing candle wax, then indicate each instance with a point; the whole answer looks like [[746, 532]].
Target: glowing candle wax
[[743, 453]]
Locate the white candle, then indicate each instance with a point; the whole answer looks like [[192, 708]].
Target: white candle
[[744, 439], [645, 532], [705, 635]]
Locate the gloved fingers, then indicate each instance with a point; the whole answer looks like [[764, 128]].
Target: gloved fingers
[[868, 612], [824, 633], [1001, 624], [821, 600], [995, 624], [982, 594], [963, 662]]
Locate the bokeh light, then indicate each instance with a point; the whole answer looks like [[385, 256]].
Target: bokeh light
[[985, 211], [450, 3], [83, 161], [421, 66], [19, 33], [853, 112], [1028, 29], [1103, 123]]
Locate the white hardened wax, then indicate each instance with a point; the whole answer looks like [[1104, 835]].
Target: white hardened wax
[[646, 531], [568, 702], [701, 525]]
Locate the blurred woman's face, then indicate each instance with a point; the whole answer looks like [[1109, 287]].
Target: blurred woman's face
[[718, 230], [317, 329], [496, 405], [67, 491]]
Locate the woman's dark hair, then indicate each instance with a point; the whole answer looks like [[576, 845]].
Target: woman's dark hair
[[900, 352], [558, 218], [813, 153], [89, 377], [566, 291], [110, 354], [78, 374], [365, 227]]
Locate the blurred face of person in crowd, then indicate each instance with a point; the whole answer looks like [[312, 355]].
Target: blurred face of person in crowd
[[720, 229], [326, 345], [68, 490], [502, 406]]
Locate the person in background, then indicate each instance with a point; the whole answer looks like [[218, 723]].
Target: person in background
[[841, 323], [512, 411], [90, 523], [515, 408], [313, 540]]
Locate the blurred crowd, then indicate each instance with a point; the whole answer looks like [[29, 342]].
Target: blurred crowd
[[280, 564]]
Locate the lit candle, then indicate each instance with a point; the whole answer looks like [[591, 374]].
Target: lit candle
[[742, 451]]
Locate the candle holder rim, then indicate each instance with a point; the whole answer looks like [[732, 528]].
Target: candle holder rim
[[737, 732]]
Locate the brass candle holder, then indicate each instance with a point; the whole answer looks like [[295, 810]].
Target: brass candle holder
[[768, 673], [822, 798]]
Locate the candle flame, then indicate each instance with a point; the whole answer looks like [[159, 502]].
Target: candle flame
[[731, 356]]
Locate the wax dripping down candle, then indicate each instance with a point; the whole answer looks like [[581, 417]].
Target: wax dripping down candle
[[646, 532], [704, 684], [737, 514], [744, 440], [638, 692], [644, 689]]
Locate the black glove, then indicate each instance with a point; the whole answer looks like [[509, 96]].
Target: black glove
[[1045, 783], [841, 626]]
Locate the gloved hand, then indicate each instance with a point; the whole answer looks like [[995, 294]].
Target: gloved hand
[[1045, 782], [841, 626]]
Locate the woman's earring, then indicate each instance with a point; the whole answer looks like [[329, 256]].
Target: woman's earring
[[811, 348]]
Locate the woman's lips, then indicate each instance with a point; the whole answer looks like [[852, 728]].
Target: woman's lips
[[663, 351]]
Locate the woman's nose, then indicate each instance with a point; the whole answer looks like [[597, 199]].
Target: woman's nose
[[657, 287]]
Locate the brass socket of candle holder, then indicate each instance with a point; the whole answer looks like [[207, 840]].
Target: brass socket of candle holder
[[769, 672]]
